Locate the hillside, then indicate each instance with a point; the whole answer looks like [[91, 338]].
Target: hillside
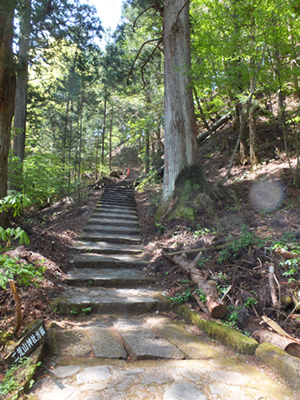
[[252, 223]]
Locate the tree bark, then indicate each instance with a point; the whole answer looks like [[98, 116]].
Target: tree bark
[[181, 147], [252, 132], [7, 93], [289, 345], [215, 305], [147, 154], [110, 136], [243, 134], [18, 144], [103, 129]]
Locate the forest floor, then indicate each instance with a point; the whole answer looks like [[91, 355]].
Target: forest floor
[[255, 222]]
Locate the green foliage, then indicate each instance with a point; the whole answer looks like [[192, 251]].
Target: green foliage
[[246, 240], [204, 260], [9, 234], [15, 376], [17, 202], [183, 297], [201, 294], [44, 177], [23, 274], [250, 301], [290, 264], [232, 317], [187, 295], [203, 232], [84, 311], [160, 227]]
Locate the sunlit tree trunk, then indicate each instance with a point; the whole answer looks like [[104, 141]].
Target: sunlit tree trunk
[[181, 148], [103, 129], [7, 92]]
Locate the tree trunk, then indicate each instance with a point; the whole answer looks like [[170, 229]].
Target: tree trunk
[[18, 144], [103, 130], [7, 93], [181, 147], [241, 114], [253, 139], [289, 345], [110, 136], [215, 305], [252, 131], [147, 155], [80, 141]]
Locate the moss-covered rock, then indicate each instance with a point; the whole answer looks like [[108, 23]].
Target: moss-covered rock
[[226, 335], [285, 365]]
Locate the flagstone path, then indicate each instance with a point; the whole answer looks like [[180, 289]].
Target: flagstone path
[[120, 346]]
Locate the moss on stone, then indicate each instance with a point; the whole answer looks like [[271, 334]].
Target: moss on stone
[[226, 335], [285, 365], [184, 212]]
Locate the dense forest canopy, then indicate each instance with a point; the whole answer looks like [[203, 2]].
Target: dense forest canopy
[[72, 110]]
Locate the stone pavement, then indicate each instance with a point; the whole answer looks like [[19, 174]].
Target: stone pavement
[[125, 348]]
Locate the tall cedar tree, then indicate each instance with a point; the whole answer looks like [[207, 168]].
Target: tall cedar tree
[[7, 92], [181, 147]]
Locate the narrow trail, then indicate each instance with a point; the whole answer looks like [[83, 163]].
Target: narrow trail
[[119, 346]]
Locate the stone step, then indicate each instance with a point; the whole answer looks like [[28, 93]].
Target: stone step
[[143, 343], [120, 195], [128, 187], [112, 221], [107, 277], [116, 209], [110, 238], [114, 215], [121, 189], [98, 339], [117, 203], [111, 301], [103, 228], [154, 337], [88, 260], [106, 248]]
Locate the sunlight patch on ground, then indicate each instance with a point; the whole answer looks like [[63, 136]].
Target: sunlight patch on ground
[[267, 194]]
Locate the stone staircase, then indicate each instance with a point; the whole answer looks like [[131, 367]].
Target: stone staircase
[[111, 341], [107, 276]]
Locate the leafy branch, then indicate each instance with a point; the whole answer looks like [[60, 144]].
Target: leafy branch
[[159, 40]]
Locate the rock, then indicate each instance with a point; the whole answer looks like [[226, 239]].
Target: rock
[[229, 377], [92, 398], [65, 372], [93, 374], [183, 391]]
